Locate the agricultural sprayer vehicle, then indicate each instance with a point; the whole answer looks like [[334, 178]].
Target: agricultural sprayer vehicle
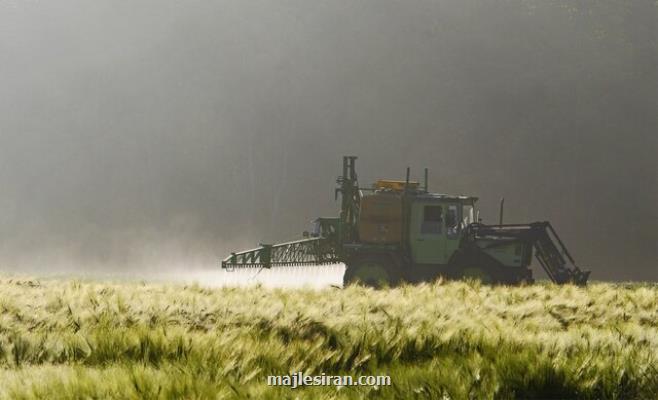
[[398, 231]]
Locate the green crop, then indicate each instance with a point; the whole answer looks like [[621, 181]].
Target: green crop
[[458, 340]]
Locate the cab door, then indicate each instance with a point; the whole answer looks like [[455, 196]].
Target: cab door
[[427, 234]]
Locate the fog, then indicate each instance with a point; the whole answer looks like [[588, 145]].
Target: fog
[[160, 135]]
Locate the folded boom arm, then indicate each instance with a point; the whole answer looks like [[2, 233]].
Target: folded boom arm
[[311, 251]]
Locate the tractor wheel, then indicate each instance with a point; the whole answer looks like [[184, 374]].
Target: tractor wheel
[[477, 274], [374, 272]]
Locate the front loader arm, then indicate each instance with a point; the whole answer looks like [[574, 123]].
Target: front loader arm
[[549, 250]]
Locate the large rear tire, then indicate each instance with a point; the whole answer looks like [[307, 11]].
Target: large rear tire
[[372, 271]]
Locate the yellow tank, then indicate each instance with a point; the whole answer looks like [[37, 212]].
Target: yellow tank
[[380, 218], [394, 185]]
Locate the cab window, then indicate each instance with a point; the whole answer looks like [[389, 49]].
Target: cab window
[[432, 220], [467, 215], [452, 220]]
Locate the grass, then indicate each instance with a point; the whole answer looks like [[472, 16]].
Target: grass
[[459, 340]]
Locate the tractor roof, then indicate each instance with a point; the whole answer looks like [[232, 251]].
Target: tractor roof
[[441, 196]]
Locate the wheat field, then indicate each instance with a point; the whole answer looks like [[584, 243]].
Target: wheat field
[[72, 339]]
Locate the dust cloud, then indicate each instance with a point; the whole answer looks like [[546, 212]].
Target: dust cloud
[[156, 136]]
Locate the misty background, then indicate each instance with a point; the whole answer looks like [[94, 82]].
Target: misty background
[[155, 135]]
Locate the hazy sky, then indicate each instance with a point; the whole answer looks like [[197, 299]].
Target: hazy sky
[[134, 134]]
